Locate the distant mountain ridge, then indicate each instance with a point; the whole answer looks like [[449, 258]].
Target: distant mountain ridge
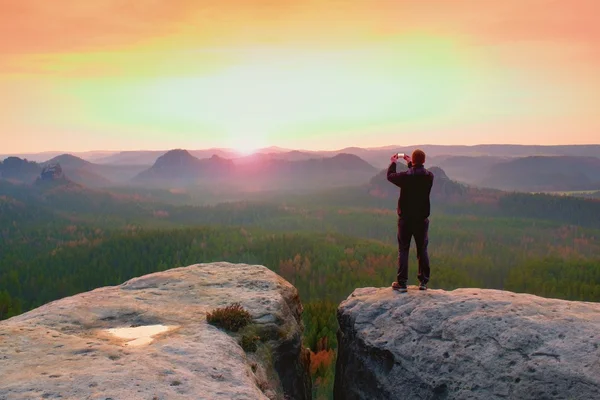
[[79, 170], [76, 169], [256, 172], [469, 169], [542, 173], [179, 167], [14, 168], [373, 155], [295, 169], [149, 157]]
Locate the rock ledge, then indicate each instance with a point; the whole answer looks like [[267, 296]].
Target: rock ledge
[[62, 350], [466, 344]]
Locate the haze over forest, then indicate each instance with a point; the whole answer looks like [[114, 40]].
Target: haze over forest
[[520, 218]]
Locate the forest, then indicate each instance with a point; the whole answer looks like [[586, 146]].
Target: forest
[[56, 245]]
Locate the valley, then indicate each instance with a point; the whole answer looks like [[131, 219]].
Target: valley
[[326, 225]]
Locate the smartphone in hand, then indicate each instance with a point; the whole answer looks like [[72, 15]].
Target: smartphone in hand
[[404, 157]]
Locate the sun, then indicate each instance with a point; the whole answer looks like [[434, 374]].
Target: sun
[[246, 143]]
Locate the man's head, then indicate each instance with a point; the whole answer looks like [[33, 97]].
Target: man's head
[[418, 157]]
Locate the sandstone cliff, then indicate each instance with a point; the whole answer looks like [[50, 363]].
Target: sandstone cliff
[[466, 344], [67, 349]]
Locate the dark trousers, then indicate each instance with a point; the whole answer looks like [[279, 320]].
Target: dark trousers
[[406, 230]]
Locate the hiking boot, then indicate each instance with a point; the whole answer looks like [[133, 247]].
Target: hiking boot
[[422, 286], [401, 287]]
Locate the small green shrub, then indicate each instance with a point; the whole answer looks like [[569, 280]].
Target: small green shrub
[[249, 343], [233, 317]]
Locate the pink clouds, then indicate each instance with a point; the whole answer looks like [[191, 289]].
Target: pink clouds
[[28, 26]]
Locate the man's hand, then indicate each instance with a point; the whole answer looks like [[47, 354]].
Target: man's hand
[[394, 158], [407, 158]]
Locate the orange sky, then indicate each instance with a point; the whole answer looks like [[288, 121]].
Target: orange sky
[[124, 74]]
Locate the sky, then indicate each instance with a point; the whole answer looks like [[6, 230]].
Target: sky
[[312, 74]]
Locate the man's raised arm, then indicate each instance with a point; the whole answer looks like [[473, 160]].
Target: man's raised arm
[[397, 178]]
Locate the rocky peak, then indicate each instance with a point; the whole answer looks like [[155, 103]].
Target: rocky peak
[[52, 172], [467, 343], [149, 339]]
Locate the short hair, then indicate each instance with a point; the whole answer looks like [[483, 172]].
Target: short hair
[[418, 157]]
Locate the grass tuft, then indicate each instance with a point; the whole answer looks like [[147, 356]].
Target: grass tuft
[[249, 343], [233, 317]]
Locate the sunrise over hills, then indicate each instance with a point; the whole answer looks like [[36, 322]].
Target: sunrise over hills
[[299, 199], [155, 74]]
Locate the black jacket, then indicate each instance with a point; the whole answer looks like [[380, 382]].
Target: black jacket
[[415, 187]]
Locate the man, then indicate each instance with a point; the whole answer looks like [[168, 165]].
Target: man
[[413, 215]]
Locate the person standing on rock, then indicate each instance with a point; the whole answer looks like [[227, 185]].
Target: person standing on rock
[[413, 215]]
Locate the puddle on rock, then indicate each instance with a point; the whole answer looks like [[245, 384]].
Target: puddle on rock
[[140, 335]]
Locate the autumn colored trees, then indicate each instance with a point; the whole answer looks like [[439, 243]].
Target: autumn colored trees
[[326, 246]]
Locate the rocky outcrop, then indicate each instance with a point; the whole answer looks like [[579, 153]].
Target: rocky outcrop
[[466, 344], [52, 172], [73, 348]]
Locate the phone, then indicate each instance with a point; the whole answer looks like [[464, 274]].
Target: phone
[[400, 155]]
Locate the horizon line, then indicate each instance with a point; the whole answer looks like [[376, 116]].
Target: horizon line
[[14, 154]]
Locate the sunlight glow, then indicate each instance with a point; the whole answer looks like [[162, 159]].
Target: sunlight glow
[[296, 75], [246, 142], [281, 94]]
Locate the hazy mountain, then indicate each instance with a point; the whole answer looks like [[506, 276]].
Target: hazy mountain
[[95, 175], [208, 153], [79, 170], [274, 150], [69, 161], [36, 157], [17, 169], [260, 157], [148, 158], [380, 156], [507, 150], [256, 172], [267, 172], [504, 150], [533, 174], [344, 161], [339, 170], [46, 155], [294, 155], [132, 158], [377, 156], [178, 167], [118, 174], [468, 169]]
